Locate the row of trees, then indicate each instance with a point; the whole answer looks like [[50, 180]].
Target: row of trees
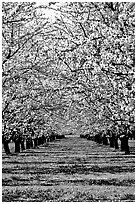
[[111, 136], [76, 69], [27, 138]]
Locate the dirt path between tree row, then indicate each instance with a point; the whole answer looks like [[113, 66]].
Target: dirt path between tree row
[[70, 169]]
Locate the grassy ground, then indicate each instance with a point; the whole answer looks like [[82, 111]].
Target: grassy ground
[[71, 169]]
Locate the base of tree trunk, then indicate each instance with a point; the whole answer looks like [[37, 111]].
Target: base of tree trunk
[[22, 145], [116, 144], [6, 148], [17, 147], [35, 142], [31, 143], [111, 142], [105, 141], [27, 144], [126, 146], [122, 144]]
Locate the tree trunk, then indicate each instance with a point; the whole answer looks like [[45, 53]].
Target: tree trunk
[[122, 144], [116, 143], [105, 140], [31, 143], [42, 140], [22, 145], [6, 147], [95, 138], [27, 144], [111, 140], [48, 139], [98, 138], [52, 138], [17, 146], [39, 141], [35, 142], [126, 145]]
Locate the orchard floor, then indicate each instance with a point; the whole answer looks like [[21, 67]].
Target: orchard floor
[[70, 169]]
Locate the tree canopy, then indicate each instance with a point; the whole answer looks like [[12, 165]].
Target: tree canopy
[[73, 73]]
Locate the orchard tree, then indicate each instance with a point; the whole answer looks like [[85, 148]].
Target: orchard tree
[[96, 50], [25, 60]]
